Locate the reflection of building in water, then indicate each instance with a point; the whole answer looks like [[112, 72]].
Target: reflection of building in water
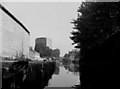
[[57, 70], [44, 41]]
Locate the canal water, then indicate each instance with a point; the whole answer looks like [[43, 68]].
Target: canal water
[[65, 75]]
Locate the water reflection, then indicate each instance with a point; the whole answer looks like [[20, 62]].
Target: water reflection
[[57, 70], [72, 68], [64, 79], [59, 74], [65, 75]]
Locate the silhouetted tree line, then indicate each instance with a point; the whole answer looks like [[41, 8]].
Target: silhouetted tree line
[[74, 53], [97, 35], [45, 51], [96, 22]]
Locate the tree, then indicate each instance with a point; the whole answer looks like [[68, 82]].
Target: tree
[[66, 55], [96, 22], [44, 51], [56, 53]]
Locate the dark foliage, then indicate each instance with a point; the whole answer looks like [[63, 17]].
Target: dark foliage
[[96, 22], [98, 37], [45, 51], [55, 53]]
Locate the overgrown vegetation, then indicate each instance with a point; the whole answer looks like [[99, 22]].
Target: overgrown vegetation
[[96, 21]]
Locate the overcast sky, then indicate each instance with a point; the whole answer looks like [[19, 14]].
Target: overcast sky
[[47, 19]]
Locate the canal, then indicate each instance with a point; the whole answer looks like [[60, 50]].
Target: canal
[[44, 75], [66, 74]]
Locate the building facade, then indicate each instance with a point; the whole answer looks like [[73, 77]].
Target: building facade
[[14, 36], [44, 41]]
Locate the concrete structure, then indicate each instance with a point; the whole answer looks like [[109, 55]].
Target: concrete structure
[[49, 42], [14, 37], [44, 41], [35, 55]]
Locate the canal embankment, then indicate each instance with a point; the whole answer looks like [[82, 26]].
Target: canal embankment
[[24, 74]]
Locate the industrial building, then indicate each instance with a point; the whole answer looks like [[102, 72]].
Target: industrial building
[[14, 36], [44, 41]]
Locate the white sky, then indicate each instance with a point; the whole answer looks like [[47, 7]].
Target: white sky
[[48, 19]]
